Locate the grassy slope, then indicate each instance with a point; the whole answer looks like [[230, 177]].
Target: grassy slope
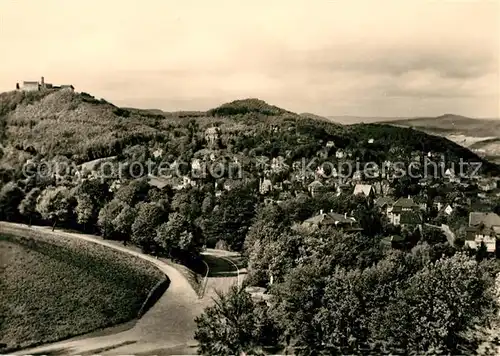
[[76, 124], [54, 288]]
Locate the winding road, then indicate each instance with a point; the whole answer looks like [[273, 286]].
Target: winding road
[[167, 328]]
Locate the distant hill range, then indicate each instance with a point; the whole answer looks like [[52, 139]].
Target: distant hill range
[[479, 135], [451, 124], [352, 120]]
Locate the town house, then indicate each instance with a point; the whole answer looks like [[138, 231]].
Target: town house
[[405, 212], [483, 228]]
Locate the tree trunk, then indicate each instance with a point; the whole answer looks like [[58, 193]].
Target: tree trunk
[[54, 225], [29, 223]]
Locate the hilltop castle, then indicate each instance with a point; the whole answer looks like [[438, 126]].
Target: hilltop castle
[[37, 86]]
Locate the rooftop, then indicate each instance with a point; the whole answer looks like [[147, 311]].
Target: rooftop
[[383, 201], [330, 219], [365, 189], [486, 219], [405, 203]]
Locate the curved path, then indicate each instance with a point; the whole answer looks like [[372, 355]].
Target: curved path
[[167, 328]]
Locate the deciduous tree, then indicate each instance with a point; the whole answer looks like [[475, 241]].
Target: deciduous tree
[[54, 204]]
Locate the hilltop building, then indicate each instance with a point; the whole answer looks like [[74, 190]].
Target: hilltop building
[[38, 86]]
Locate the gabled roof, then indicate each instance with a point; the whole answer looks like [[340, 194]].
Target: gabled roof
[[383, 201], [319, 219], [405, 203], [486, 219], [330, 219], [365, 189]]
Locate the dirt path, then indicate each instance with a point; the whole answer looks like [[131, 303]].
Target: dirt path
[[167, 328]]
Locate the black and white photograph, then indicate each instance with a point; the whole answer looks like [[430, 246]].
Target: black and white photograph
[[249, 177]]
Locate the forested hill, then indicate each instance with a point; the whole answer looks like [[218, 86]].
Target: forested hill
[[83, 128]]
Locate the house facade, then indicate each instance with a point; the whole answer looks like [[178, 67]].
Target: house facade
[[404, 212], [384, 204], [331, 219], [484, 228]]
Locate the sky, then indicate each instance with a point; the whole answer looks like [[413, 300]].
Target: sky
[[328, 57]]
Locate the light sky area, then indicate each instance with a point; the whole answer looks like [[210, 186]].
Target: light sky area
[[363, 58]]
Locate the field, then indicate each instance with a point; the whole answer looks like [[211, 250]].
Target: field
[[54, 288]]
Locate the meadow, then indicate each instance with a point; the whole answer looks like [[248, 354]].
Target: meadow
[[53, 288]]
